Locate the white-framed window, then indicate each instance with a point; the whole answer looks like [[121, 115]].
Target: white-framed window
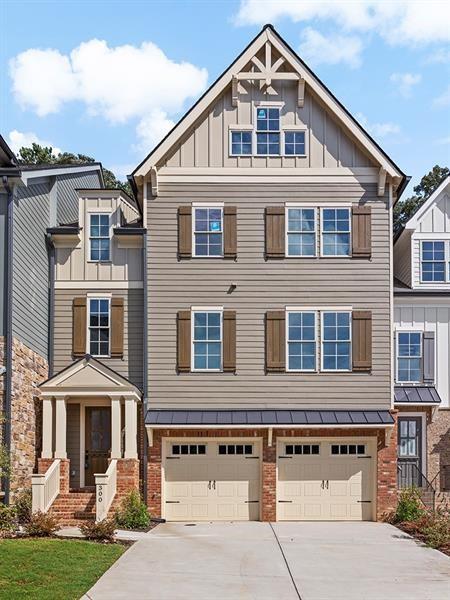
[[99, 237], [207, 340], [294, 142], [241, 142], [99, 326], [434, 262], [268, 131], [301, 226], [336, 228], [336, 341], [409, 356], [303, 449], [208, 231], [348, 449], [301, 341]]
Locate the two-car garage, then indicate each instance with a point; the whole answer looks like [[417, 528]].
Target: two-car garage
[[221, 479]]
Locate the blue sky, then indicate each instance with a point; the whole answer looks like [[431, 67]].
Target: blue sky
[[108, 78]]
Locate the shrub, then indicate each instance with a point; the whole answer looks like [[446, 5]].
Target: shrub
[[8, 521], [409, 506], [133, 513], [23, 507], [436, 529], [103, 531], [41, 525]]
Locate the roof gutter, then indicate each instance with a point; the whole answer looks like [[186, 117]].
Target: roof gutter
[[8, 328], [51, 300], [145, 347]]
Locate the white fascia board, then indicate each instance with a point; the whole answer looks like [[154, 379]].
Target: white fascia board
[[26, 175], [273, 426], [415, 219]]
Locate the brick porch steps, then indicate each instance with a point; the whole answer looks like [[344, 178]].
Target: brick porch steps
[[74, 508]]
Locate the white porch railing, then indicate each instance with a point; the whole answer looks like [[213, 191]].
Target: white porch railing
[[45, 487], [106, 488]]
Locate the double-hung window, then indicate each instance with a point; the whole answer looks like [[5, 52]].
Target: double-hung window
[[241, 143], [99, 326], [268, 131], [301, 232], [207, 340], [433, 262], [208, 231], [336, 341], [99, 237], [409, 356], [335, 232], [295, 143], [301, 341]]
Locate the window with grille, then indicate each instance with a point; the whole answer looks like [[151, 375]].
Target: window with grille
[[99, 326], [99, 238]]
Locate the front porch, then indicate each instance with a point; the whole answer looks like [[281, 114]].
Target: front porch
[[89, 439]]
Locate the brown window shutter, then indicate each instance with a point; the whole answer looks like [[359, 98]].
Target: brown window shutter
[[79, 325], [229, 341], [184, 341], [361, 231], [185, 232], [275, 232], [275, 341], [230, 232], [362, 340], [116, 327]]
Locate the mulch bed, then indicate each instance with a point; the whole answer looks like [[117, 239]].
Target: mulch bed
[[412, 529]]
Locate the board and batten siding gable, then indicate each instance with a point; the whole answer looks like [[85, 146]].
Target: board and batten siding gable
[[206, 144], [67, 197], [413, 315], [130, 366], [175, 285], [30, 267], [73, 264]]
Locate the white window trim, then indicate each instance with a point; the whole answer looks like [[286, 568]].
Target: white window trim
[[446, 262], [255, 131], [199, 309], [322, 341], [286, 231], [316, 340], [295, 129], [397, 355], [100, 212], [196, 206], [235, 129], [321, 232], [88, 333], [238, 127]]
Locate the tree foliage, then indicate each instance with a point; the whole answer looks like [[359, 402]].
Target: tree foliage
[[405, 209], [39, 155]]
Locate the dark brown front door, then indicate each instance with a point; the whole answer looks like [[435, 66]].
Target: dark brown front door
[[98, 441], [410, 451]]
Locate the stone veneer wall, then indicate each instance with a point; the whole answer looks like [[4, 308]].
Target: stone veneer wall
[[386, 462], [2, 380], [438, 438], [29, 370]]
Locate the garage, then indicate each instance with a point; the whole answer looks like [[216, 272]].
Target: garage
[[325, 479], [211, 480]]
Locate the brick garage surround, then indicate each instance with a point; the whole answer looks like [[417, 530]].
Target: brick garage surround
[[386, 462]]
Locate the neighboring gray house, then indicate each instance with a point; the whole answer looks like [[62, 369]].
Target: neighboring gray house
[[32, 199]]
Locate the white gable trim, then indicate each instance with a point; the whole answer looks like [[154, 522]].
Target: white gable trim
[[266, 35], [433, 199]]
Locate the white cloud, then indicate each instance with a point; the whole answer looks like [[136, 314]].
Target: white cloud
[[19, 139], [441, 55], [316, 48], [443, 99], [445, 141], [117, 83], [153, 128], [405, 82], [378, 130], [399, 22]]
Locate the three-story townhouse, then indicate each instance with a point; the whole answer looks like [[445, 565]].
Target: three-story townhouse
[[269, 297], [422, 338]]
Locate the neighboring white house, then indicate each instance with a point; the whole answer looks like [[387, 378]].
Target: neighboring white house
[[422, 342]]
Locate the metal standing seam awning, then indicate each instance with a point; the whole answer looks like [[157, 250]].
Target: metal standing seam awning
[[416, 395]]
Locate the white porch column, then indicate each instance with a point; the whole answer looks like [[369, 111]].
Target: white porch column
[[47, 428], [115, 428], [130, 428], [60, 428]]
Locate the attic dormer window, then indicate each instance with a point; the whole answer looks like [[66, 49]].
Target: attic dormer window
[[433, 262], [99, 238], [267, 131]]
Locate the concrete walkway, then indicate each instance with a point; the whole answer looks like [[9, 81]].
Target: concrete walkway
[[282, 561]]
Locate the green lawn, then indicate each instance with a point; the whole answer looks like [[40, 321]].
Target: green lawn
[[52, 569]]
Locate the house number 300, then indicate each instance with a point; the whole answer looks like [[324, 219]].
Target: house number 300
[[100, 493]]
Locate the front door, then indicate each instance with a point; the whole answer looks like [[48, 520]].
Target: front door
[[98, 441], [410, 451]]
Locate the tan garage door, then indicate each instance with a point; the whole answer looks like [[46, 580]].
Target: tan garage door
[[211, 480], [325, 480]]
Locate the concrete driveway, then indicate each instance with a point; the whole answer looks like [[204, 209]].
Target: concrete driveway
[[282, 561]]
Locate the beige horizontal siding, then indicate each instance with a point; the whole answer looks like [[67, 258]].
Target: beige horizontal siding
[[131, 364], [263, 285]]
